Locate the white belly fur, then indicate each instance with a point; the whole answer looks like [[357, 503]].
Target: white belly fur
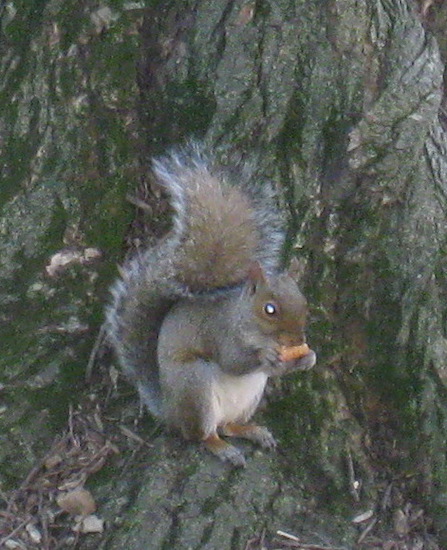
[[235, 398]]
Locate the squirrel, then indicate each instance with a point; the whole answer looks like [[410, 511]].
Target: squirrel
[[199, 320]]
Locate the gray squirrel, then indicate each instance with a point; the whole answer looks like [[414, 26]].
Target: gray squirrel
[[201, 320]]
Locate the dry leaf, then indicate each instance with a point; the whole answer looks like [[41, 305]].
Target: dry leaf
[[34, 534], [90, 524], [77, 503]]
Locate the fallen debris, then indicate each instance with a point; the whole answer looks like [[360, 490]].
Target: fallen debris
[[52, 502]]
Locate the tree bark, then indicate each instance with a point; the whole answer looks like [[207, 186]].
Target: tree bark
[[340, 104]]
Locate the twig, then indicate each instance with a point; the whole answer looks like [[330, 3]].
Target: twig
[[3, 496], [258, 540], [96, 346], [287, 536], [304, 546], [139, 203], [35, 471], [294, 542], [366, 531], [353, 482], [45, 532], [386, 500], [14, 531], [133, 436]]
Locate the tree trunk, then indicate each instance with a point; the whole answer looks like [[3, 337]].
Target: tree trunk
[[340, 103]]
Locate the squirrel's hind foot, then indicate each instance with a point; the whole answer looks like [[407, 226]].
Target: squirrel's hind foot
[[258, 434], [225, 451]]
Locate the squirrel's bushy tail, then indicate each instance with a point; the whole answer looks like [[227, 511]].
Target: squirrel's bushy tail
[[223, 221], [141, 297]]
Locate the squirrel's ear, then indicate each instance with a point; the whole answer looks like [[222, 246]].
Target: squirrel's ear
[[256, 276]]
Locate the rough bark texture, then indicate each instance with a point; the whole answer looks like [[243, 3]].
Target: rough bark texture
[[340, 102], [67, 155]]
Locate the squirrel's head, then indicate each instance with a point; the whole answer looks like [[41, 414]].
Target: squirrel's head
[[279, 306]]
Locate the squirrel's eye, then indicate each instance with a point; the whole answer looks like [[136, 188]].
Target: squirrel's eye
[[270, 308]]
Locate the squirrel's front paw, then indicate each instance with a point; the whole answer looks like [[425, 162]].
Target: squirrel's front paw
[[270, 360], [304, 363]]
